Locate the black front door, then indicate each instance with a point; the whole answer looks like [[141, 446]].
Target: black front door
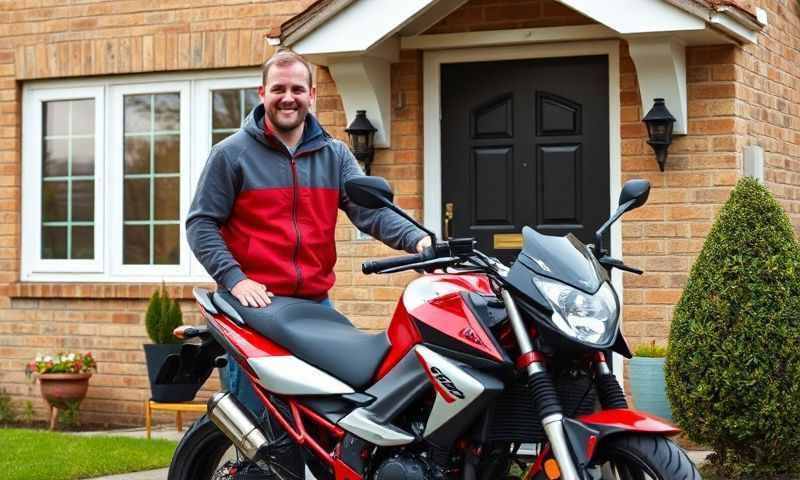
[[524, 142]]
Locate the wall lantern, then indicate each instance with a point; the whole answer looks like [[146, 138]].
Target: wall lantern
[[362, 134], [659, 128]]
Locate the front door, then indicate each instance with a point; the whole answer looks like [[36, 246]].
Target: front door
[[524, 142]]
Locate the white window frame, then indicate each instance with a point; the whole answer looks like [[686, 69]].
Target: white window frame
[[195, 145], [32, 131]]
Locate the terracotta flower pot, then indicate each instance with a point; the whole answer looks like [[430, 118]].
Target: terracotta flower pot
[[61, 389]]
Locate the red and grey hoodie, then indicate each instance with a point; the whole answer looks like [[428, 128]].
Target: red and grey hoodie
[[262, 213]]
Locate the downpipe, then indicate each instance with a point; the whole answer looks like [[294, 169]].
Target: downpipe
[[553, 424], [238, 424]]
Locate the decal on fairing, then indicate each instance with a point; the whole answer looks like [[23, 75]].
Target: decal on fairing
[[455, 388]]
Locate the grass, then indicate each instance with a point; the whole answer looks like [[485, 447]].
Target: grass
[[36, 455]]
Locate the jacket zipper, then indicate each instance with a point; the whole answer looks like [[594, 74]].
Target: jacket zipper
[[296, 227]]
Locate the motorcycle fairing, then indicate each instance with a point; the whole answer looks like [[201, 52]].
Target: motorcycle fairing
[[624, 419], [565, 259]]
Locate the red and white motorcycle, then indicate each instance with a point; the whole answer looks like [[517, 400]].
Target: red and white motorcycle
[[485, 372]]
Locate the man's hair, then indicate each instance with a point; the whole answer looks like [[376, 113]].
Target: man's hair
[[282, 58]]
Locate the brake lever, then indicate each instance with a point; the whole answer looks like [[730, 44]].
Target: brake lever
[[617, 263], [425, 266]]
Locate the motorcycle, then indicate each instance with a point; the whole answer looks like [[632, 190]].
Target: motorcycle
[[485, 372]]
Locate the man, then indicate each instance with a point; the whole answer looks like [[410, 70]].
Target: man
[[263, 218]]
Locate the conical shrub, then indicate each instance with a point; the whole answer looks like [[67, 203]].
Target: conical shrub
[[733, 367], [162, 317]]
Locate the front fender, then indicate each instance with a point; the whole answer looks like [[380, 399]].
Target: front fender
[[627, 420]]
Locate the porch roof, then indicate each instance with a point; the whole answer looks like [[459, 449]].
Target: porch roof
[[359, 39]]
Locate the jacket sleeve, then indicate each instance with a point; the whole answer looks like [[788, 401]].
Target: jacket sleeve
[[383, 224], [213, 201]]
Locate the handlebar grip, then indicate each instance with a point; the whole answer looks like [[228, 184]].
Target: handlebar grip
[[373, 266]]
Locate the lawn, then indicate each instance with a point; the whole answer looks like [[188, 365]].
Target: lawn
[[39, 455]]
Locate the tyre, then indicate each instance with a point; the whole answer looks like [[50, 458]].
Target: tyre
[[199, 453], [642, 457]]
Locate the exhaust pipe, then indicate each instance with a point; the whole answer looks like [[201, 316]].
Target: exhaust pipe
[[238, 424]]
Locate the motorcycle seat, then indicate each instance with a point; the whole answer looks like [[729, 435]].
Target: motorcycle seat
[[317, 334]]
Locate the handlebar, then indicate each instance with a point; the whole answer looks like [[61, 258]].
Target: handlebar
[[449, 252], [374, 266]]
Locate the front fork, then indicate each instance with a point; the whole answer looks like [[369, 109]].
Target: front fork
[[544, 392]]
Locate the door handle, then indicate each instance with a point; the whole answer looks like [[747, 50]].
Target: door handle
[[448, 216]]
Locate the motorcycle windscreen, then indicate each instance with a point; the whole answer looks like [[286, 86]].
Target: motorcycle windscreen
[[565, 259]]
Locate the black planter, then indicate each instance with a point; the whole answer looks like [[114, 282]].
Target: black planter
[[156, 356]]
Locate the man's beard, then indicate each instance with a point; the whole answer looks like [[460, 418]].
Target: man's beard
[[285, 125]]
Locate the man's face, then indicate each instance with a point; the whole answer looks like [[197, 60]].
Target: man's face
[[287, 96]]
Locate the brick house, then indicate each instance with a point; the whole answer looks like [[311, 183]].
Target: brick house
[[511, 112]]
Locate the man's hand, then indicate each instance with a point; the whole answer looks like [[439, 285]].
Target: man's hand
[[251, 293], [423, 243]]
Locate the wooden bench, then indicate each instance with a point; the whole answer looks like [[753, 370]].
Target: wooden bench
[[178, 408]]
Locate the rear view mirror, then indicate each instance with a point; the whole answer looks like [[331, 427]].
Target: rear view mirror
[[369, 192], [634, 194]]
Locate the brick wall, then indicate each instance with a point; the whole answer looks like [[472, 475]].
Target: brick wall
[[767, 79], [665, 236], [477, 15]]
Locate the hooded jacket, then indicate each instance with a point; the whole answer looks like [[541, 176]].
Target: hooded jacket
[[262, 213]]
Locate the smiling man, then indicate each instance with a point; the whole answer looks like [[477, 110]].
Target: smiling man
[[263, 218]]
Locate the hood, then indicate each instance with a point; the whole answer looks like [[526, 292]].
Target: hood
[[314, 136]]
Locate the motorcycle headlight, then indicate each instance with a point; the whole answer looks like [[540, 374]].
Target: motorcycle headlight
[[588, 318]]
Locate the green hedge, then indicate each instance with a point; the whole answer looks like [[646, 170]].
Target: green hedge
[[733, 367]]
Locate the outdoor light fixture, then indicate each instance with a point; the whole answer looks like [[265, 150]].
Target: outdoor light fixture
[[362, 134], [659, 128]]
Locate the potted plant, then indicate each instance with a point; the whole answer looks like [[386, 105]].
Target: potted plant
[[63, 380], [647, 380], [162, 317]]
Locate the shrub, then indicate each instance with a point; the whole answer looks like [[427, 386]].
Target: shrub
[[7, 413], [733, 366], [162, 317], [650, 350]]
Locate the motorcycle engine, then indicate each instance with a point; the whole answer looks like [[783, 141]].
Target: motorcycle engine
[[406, 467]]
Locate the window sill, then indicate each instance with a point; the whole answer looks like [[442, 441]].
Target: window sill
[[180, 291]]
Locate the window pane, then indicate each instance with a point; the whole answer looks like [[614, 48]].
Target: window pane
[[83, 117], [167, 246], [167, 201], [250, 100], [137, 113], [168, 154], [54, 201], [82, 242], [83, 156], [54, 242], [56, 118], [218, 137], [137, 199], [167, 111], [82, 200], [54, 163], [137, 155], [136, 244], [226, 109]]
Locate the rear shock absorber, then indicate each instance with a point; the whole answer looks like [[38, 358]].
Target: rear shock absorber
[[608, 389], [543, 391]]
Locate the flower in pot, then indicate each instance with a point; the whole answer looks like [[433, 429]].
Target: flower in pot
[[162, 317], [647, 380], [63, 380]]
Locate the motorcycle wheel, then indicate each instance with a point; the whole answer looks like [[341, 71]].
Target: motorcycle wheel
[[642, 457], [199, 452]]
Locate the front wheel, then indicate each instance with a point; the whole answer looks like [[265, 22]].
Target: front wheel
[[641, 457]]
